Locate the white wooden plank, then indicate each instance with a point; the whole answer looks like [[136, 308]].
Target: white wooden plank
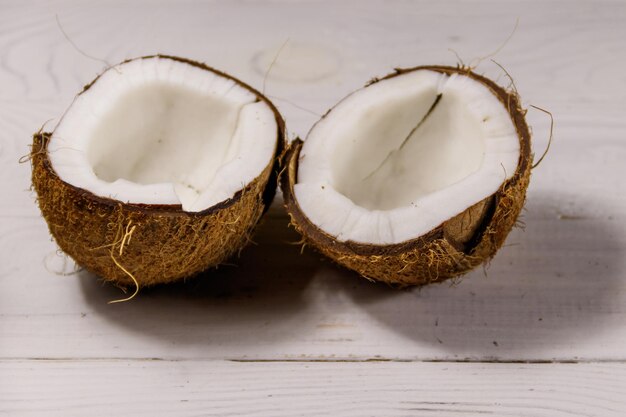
[[559, 55], [558, 293], [190, 388]]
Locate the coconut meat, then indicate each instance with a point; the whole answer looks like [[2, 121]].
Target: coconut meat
[[396, 159], [161, 131]]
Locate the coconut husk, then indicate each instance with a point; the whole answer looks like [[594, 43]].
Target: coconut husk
[[456, 246], [144, 245]]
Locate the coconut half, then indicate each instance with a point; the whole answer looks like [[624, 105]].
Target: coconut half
[[416, 178], [159, 169]]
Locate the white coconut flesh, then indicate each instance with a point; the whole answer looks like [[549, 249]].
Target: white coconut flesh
[[394, 160], [161, 131]]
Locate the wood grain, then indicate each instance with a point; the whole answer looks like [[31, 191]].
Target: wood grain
[[191, 388]]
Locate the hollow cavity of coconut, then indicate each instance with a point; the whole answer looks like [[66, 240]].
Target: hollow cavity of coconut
[[416, 178], [160, 168]]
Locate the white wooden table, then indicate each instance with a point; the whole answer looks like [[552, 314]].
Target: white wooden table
[[542, 333]]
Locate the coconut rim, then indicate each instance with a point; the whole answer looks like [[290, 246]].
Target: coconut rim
[[511, 102], [41, 139]]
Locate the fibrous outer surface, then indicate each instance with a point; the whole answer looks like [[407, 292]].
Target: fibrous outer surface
[[155, 242], [449, 248]]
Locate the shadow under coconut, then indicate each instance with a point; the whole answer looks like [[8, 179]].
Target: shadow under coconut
[[263, 288], [555, 284]]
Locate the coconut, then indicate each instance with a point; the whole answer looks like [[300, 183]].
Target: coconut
[[160, 169], [416, 178]]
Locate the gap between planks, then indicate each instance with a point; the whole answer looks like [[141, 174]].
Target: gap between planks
[[320, 360]]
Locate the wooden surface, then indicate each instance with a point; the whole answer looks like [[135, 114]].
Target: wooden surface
[[541, 333], [198, 388]]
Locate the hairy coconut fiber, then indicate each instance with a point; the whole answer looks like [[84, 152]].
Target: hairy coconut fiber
[[151, 243], [156, 244], [451, 249]]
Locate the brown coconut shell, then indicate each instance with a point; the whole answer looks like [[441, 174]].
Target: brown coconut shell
[[155, 243], [449, 250]]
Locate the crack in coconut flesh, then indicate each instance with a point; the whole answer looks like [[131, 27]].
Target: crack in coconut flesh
[[179, 153], [416, 178]]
